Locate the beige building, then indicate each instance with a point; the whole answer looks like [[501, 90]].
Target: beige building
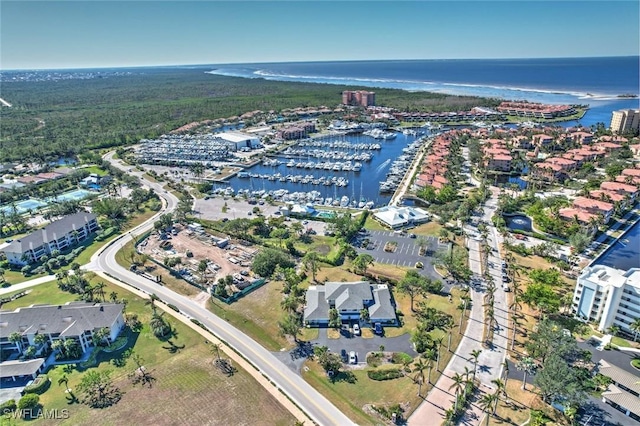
[[625, 120]]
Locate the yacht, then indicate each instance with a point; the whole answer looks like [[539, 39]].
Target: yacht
[[344, 201]]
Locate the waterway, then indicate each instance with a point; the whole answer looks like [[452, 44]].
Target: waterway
[[623, 254], [362, 185]]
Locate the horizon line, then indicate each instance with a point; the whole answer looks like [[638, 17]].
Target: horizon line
[[99, 67]]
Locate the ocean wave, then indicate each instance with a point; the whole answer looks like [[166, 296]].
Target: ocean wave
[[469, 89]]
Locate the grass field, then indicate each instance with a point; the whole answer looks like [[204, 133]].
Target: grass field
[[187, 389], [351, 398]]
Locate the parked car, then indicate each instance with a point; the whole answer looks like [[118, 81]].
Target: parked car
[[356, 329], [505, 279], [419, 265], [353, 359], [343, 355], [412, 235], [377, 328], [506, 288]]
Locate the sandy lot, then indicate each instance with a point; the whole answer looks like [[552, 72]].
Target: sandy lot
[[231, 260]]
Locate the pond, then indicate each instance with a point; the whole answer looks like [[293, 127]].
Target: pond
[[518, 222]]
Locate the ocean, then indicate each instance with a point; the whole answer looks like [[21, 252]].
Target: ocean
[[597, 82]]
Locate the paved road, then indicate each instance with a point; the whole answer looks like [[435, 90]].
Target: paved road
[[490, 361], [305, 396]]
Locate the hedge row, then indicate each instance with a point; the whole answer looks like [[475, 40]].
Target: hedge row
[[39, 385], [380, 375]]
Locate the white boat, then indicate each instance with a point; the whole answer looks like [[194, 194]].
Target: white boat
[[344, 201]]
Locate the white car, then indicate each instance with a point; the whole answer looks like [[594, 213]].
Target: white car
[[353, 359], [356, 329]]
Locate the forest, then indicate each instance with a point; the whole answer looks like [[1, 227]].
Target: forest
[[52, 119]]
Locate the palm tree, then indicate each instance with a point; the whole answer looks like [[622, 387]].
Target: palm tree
[[64, 380], [458, 384], [614, 330], [16, 338], [635, 327], [113, 296], [501, 388], [99, 289], [475, 354], [505, 370], [527, 365], [419, 368], [489, 403]]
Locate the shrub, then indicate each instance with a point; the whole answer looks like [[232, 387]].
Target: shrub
[[8, 407], [380, 375], [174, 307], [39, 385], [28, 401]]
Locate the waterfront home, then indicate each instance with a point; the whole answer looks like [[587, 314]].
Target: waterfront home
[[578, 215], [58, 235], [349, 299], [595, 206], [499, 162], [625, 189], [564, 163]]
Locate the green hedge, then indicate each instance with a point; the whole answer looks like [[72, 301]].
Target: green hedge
[[8, 407], [401, 358], [174, 307], [380, 375], [39, 385]]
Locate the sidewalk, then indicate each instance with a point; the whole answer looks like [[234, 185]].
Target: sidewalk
[[27, 284]]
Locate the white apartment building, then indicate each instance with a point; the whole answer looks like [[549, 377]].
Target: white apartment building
[[624, 120], [607, 296]]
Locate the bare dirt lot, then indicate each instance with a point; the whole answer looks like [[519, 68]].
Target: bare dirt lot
[[234, 259]]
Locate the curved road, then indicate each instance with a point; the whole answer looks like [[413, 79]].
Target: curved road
[[304, 395]]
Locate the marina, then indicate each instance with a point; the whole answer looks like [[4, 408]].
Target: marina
[[342, 170]]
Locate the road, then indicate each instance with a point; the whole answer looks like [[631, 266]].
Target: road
[[316, 406]]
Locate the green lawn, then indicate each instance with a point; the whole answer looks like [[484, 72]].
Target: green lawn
[[95, 169], [185, 378], [350, 398], [47, 293]]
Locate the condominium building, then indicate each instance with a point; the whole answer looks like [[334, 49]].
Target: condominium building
[[57, 236], [359, 97], [625, 120], [607, 296]]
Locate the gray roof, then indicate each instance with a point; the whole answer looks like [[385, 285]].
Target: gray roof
[[623, 399], [317, 307], [20, 368], [618, 375], [51, 232], [382, 309], [68, 320], [358, 291]]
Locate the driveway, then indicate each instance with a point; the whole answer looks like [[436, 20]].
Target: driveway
[[296, 357], [621, 359], [406, 253], [10, 389]]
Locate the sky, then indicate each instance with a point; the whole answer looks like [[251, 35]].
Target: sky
[[86, 34]]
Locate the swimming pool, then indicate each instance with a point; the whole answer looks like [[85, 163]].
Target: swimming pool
[[78, 194], [326, 214], [24, 206]]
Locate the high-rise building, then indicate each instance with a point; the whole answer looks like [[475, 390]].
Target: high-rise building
[[625, 120], [359, 97]]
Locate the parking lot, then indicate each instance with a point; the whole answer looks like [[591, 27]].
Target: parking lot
[[406, 252]]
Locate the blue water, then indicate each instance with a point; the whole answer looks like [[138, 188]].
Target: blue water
[[363, 184], [624, 253], [593, 81]]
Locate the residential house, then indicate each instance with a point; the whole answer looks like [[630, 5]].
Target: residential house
[[58, 235], [625, 189], [349, 299], [624, 391], [595, 207]]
